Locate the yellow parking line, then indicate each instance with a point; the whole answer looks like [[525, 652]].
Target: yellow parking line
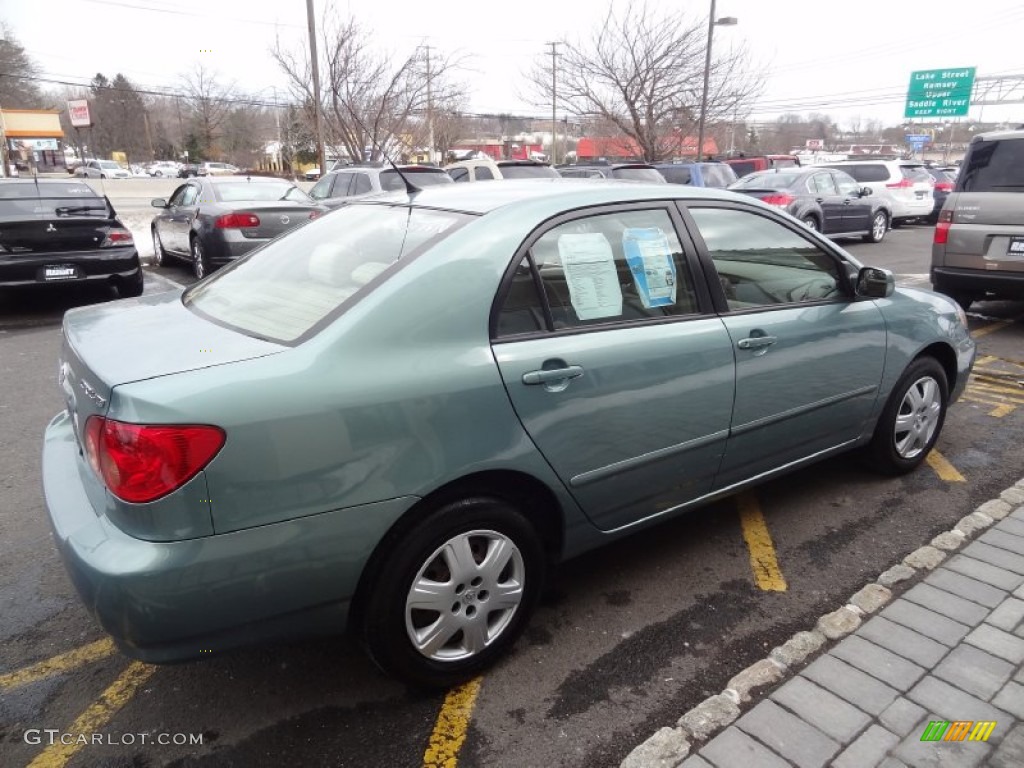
[[58, 664], [943, 468], [96, 716], [1002, 410], [759, 542], [988, 387], [450, 728], [987, 329]]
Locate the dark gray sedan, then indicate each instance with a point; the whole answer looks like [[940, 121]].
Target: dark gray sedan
[[212, 221]]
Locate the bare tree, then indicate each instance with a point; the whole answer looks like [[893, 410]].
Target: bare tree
[[370, 97], [642, 71], [18, 90], [209, 104]]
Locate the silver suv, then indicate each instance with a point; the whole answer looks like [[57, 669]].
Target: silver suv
[[354, 182], [978, 247], [910, 187]]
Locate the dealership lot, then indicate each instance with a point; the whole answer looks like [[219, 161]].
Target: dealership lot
[[627, 637]]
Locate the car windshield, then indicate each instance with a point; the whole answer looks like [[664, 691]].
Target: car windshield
[[259, 191], [515, 171], [639, 174], [766, 181], [47, 200], [284, 290], [390, 181], [993, 166]]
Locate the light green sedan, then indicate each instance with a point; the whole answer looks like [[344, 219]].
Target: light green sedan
[[395, 417]]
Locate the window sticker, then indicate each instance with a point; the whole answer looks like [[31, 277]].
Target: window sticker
[[590, 273], [650, 261]]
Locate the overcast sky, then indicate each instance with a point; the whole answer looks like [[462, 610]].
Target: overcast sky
[[849, 59]]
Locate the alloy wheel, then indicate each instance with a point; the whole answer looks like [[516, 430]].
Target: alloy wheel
[[878, 227], [198, 259], [158, 251]]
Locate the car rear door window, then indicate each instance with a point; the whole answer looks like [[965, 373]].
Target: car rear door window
[[361, 184], [761, 262], [823, 184], [459, 174], [624, 266], [482, 173]]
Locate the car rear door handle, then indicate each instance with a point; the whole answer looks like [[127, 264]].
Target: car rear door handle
[[756, 342], [551, 375]]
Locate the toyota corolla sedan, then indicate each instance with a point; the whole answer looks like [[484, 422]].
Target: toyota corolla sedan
[[212, 220], [396, 417]]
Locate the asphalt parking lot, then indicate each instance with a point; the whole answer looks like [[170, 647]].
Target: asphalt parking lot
[[627, 638]]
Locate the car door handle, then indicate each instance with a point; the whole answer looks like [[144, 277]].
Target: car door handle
[[549, 375], [819, 199], [756, 342]]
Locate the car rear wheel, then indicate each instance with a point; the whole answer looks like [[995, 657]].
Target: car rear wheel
[[200, 262], [454, 593], [811, 223], [912, 419], [879, 226]]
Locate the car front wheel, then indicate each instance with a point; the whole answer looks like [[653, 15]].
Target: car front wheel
[[879, 226], [200, 261], [453, 593], [912, 419]]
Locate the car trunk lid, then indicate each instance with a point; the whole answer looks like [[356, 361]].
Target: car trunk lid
[[276, 217], [125, 341], [987, 231]]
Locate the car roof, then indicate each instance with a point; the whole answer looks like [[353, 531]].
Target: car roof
[[235, 178], [560, 193]]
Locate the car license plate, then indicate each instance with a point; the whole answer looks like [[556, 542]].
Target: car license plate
[[1015, 250], [920, 195], [60, 272]]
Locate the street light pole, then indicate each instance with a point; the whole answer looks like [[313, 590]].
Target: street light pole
[[724, 21]]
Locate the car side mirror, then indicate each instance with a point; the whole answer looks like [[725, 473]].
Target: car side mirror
[[875, 283], [158, 202], [865, 191]]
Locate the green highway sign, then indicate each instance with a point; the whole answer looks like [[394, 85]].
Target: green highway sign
[[940, 92]]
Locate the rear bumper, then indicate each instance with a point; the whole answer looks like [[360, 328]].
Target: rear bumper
[[910, 209], [974, 281], [171, 601], [18, 269]]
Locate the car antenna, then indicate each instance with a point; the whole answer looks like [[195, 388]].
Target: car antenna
[[411, 188]]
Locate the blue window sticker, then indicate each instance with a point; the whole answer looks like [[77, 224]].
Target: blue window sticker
[[650, 261]]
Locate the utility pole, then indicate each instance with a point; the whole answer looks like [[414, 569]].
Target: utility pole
[[554, 102], [430, 109], [149, 135], [315, 62]]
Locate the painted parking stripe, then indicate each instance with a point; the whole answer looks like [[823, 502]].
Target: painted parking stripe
[[59, 664], [96, 716], [943, 468], [985, 330], [765, 565], [451, 726], [164, 278]]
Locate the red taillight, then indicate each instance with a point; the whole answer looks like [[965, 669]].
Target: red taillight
[[141, 462], [780, 201], [942, 228], [237, 221], [117, 237], [943, 186], [315, 214], [902, 184]]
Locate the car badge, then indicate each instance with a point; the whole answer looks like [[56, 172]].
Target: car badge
[[50, 228], [92, 394], [285, 219]]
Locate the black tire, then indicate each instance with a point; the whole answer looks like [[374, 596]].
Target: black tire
[[160, 257], [885, 452], [963, 299], [200, 261], [388, 626], [879, 226], [132, 287], [103, 175], [811, 222]]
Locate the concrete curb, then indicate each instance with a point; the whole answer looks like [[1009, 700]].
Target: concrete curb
[[670, 746]]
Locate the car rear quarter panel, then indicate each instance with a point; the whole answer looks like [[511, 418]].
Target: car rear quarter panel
[[398, 397]]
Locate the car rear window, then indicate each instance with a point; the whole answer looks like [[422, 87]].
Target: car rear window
[[259, 192], [742, 169], [513, 171], [390, 181], [993, 166], [865, 171], [677, 174], [288, 289], [638, 174], [766, 181], [47, 199]]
